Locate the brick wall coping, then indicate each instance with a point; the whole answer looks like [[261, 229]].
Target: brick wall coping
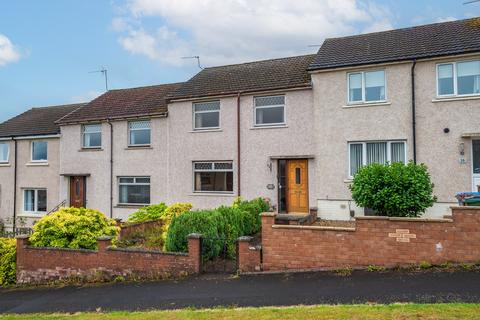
[[140, 250], [403, 219], [268, 214], [465, 208], [245, 238], [62, 249], [287, 226]]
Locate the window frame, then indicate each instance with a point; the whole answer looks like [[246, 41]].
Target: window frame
[[35, 203], [31, 152], [455, 80], [364, 152], [277, 124], [8, 153], [134, 184], [129, 130], [194, 171], [208, 111], [82, 129], [363, 101]]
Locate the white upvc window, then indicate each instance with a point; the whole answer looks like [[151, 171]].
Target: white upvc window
[[92, 136], [460, 78], [39, 152], [213, 176], [366, 87], [269, 110], [365, 153], [139, 133], [4, 152], [134, 190], [35, 201], [206, 115]]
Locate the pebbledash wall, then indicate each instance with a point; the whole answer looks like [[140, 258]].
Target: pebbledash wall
[[379, 241], [42, 265]]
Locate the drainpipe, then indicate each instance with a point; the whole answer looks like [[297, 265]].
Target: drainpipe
[[414, 122], [111, 167], [15, 186], [238, 145]]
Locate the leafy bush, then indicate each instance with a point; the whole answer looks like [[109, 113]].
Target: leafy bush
[[148, 213], [8, 262], [220, 227], [395, 190], [76, 228]]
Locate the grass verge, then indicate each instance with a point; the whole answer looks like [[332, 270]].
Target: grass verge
[[321, 312]]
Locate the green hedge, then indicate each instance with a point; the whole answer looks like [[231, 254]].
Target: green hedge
[[8, 263], [148, 213], [219, 227], [76, 228], [395, 190]]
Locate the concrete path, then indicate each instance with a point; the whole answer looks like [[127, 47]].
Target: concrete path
[[259, 290]]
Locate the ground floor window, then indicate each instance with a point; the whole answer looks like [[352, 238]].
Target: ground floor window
[[365, 153], [213, 176], [35, 200], [134, 190]]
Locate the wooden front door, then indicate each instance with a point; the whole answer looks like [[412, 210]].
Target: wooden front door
[[297, 185], [77, 191]]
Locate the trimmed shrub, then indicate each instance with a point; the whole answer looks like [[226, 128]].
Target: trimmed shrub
[[395, 190], [76, 228], [148, 213], [254, 208], [8, 262]]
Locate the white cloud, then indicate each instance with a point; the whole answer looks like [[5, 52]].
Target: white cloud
[[86, 97], [8, 52], [446, 19], [230, 31]]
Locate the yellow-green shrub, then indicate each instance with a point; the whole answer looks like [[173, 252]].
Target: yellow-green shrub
[[8, 264], [76, 228]]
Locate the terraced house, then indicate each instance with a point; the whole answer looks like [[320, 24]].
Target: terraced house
[[295, 130]]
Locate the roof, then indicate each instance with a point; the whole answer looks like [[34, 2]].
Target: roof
[[263, 75], [432, 40], [36, 121], [124, 103]]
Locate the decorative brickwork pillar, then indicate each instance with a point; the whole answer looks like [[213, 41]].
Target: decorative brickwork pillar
[[195, 251], [103, 243], [248, 257]]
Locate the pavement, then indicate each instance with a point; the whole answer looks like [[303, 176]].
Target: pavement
[[254, 290]]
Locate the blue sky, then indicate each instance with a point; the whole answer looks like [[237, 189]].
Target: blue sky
[[48, 48]]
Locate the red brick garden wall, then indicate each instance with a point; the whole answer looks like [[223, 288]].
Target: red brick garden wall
[[40, 265], [374, 241]]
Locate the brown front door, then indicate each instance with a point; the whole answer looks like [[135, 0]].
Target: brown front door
[[77, 191], [297, 185]]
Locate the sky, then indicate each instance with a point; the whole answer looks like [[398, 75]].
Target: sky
[[50, 48]]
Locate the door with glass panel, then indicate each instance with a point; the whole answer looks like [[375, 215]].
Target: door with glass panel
[[476, 165], [77, 192], [297, 185]]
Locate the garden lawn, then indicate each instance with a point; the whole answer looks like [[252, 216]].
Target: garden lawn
[[393, 311]]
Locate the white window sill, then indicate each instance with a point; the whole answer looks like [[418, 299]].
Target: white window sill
[[90, 149], [273, 126], [37, 164], [456, 98], [32, 215], [206, 130], [131, 205], [5, 164], [348, 180], [367, 104], [138, 147], [213, 194]]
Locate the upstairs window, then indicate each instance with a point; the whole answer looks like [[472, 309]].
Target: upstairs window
[[368, 86], [206, 115], [39, 150], [365, 153], [35, 201], [213, 176], [92, 135], [269, 110], [139, 133], [458, 78], [134, 190], [4, 152]]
